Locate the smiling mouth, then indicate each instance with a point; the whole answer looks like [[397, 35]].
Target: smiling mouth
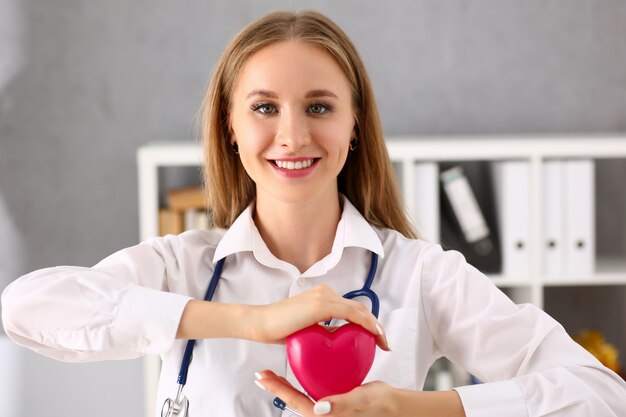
[[291, 165]]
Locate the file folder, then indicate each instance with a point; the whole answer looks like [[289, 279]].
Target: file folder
[[512, 196], [579, 216], [553, 218], [12, 380], [427, 200]]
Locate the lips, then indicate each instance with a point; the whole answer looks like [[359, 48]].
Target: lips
[[294, 167]]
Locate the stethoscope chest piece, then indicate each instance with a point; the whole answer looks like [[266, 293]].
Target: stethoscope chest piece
[[180, 406], [175, 408]]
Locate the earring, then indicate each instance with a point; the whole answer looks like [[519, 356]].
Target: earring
[[235, 148], [354, 143]]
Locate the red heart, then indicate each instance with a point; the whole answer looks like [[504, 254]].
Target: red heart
[[329, 362]]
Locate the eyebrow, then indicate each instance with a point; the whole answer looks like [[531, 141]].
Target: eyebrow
[[320, 93], [311, 94], [264, 93]]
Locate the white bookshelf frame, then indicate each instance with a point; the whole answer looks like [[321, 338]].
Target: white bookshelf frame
[[406, 151]]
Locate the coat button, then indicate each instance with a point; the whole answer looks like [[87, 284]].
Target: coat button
[[301, 281], [143, 342]]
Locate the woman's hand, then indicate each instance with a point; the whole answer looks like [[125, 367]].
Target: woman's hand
[[272, 323], [371, 399]]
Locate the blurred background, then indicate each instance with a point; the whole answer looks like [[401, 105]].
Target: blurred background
[[84, 84]]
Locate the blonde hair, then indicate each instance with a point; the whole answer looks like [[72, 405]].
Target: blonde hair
[[367, 178]]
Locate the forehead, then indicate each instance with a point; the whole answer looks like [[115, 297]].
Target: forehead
[[292, 67]]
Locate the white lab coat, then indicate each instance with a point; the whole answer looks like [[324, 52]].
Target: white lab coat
[[432, 304]]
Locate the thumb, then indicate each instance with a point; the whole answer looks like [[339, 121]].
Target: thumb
[[356, 402], [350, 403], [323, 407]]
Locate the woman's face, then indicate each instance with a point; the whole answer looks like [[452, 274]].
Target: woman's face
[[292, 119]]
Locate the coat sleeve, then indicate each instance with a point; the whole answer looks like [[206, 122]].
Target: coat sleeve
[[530, 365], [118, 309]]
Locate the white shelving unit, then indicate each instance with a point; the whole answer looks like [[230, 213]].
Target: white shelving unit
[[405, 153]]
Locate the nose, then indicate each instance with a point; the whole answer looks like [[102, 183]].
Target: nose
[[293, 132]]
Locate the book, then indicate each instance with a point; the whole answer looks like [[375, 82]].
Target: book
[[171, 222], [185, 198], [185, 210]]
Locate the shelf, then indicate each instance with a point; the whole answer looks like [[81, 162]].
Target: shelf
[[594, 282], [609, 271], [468, 148], [420, 157]]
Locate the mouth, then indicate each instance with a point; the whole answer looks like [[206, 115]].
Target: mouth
[[294, 165]]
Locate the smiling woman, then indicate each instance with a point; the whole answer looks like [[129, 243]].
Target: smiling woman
[[306, 208], [312, 54], [303, 116]]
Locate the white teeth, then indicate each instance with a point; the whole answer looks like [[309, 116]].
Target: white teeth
[[294, 165]]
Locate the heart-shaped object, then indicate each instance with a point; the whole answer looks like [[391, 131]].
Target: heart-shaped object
[[329, 362]]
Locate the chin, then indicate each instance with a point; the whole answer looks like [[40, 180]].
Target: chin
[[298, 195]]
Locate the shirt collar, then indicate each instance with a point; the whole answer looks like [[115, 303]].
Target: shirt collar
[[352, 231]]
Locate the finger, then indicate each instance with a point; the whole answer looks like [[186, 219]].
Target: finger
[[340, 405], [337, 306], [381, 339], [279, 386], [354, 312], [354, 403], [357, 313]]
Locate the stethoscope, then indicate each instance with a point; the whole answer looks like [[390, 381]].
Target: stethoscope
[[180, 405]]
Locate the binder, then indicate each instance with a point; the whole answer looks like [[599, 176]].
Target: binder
[[512, 196], [427, 200], [467, 217], [552, 221], [579, 218], [196, 219], [12, 381]]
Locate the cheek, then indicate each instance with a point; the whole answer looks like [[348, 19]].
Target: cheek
[[252, 133], [334, 134]]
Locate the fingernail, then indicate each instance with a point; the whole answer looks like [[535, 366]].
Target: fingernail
[[380, 329], [321, 408], [258, 375], [258, 384]]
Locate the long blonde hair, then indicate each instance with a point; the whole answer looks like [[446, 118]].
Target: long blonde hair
[[367, 178]]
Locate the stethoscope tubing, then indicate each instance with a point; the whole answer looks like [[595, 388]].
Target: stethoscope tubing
[[366, 291], [184, 366]]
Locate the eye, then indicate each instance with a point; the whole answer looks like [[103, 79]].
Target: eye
[[319, 108], [264, 108]]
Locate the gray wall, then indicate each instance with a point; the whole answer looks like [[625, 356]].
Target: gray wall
[[83, 84]]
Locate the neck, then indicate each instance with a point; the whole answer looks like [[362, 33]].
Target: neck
[[298, 233]]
